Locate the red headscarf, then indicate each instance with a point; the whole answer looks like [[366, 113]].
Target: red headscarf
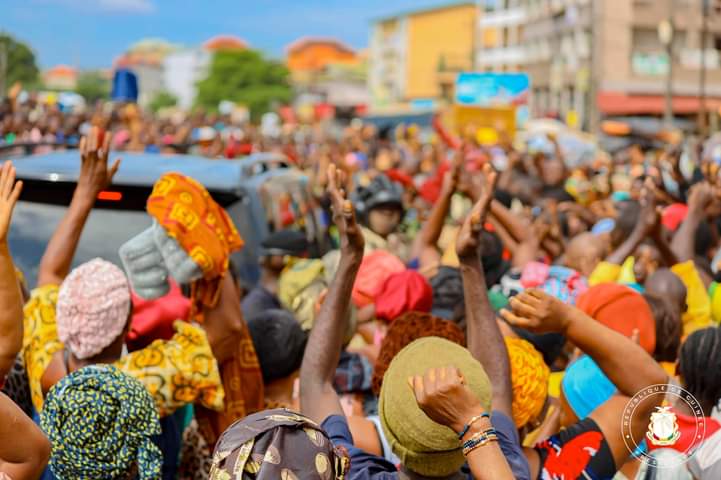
[[674, 215], [153, 319], [376, 267], [622, 309], [430, 190], [403, 292]]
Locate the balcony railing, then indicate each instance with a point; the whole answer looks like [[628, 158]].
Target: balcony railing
[[503, 18], [502, 56]]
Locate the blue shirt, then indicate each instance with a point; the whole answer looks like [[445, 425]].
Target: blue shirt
[[364, 466], [258, 300]]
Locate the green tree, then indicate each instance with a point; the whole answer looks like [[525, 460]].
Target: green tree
[[244, 77], [20, 67], [162, 99], [93, 87]]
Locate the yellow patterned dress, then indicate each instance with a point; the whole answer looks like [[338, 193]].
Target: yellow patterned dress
[[176, 372]]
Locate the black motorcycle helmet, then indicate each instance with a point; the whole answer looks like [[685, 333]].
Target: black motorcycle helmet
[[380, 192]]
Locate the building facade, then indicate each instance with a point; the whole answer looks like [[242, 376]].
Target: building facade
[[325, 71], [145, 59], [590, 59], [415, 55], [309, 55], [182, 70], [61, 77]]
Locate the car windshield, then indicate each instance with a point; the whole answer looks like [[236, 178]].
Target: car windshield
[[106, 230]]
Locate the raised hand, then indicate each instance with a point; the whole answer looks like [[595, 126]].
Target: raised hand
[[650, 217], [710, 171], [452, 177], [351, 237], [702, 196], [9, 194], [538, 312], [95, 176], [672, 157], [443, 395], [468, 242]]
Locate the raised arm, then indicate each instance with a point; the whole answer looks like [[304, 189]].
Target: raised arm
[[558, 152], [515, 225], [425, 245], [638, 234], [623, 361], [442, 394], [95, 176], [507, 240], [648, 226], [318, 399], [651, 218], [701, 196], [11, 302], [24, 449], [224, 323], [485, 341]]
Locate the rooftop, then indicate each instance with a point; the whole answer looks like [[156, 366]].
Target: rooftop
[[307, 41], [62, 71], [418, 11], [225, 42]]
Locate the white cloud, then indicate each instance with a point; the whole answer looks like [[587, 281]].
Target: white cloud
[[127, 6], [113, 6]]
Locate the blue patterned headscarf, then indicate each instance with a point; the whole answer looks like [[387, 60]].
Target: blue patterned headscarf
[[99, 422]]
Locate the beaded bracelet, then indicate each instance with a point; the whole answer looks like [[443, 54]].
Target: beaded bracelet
[[485, 433], [478, 441], [468, 425]]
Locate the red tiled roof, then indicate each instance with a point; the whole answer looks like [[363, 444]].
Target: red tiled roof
[[62, 71], [225, 42], [304, 42]]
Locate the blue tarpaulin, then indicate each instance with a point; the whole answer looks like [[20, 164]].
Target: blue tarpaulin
[[125, 86]]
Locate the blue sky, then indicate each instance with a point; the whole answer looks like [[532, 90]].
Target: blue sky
[[90, 33]]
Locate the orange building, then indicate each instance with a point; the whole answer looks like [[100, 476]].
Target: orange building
[[417, 54], [61, 77], [314, 54]]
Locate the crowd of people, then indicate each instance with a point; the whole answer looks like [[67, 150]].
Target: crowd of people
[[486, 312]]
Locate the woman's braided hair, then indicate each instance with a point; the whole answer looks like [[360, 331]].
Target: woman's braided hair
[[700, 366]]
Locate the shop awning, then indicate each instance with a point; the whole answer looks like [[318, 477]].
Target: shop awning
[[617, 103]]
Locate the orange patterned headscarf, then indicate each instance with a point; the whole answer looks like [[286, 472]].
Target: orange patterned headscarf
[[185, 209], [529, 377]]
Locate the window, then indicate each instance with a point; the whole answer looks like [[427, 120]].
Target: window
[[646, 40], [717, 42]]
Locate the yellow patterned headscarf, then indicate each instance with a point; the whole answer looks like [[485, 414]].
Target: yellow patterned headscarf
[[185, 209], [529, 376]]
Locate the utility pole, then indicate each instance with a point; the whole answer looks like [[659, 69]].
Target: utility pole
[[594, 71], [665, 34], [702, 76], [3, 69]]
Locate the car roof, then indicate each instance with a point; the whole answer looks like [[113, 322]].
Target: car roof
[[141, 169]]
